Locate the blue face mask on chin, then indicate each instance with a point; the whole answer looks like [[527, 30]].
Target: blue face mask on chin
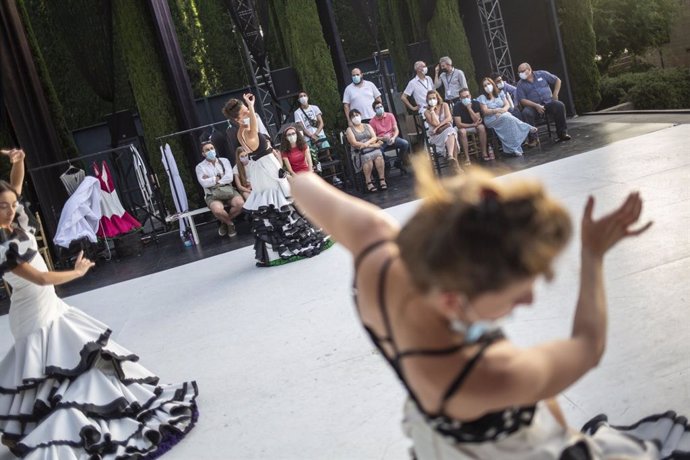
[[474, 331]]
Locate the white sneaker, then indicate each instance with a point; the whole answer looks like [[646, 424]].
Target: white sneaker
[[231, 230]]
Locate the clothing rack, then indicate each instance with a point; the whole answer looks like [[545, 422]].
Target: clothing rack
[[187, 131], [123, 176], [76, 160]]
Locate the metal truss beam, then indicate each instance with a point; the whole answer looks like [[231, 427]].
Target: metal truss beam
[[495, 38]]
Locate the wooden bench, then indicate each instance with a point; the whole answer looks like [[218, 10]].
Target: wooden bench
[[189, 217]]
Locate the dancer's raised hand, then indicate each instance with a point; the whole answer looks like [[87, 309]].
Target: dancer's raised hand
[[600, 235], [82, 265]]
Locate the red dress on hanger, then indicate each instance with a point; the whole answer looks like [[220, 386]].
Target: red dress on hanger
[[115, 221]]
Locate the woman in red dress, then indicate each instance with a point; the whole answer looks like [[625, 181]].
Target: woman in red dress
[[295, 152]]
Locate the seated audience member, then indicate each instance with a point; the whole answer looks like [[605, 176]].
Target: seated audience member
[[536, 97], [441, 132], [511, 131], [295, 152], [508, 91], [417, 89], [241, 177], [386, 129], [452, 79], [215, 176], [362, 138], [468, 120]]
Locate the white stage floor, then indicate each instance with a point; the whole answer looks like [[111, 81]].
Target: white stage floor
[[286, 372]]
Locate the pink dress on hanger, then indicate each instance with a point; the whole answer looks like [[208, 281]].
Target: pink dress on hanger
[[115, 221]]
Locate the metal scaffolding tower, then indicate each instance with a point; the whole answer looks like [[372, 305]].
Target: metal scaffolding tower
[[495, 38], [244, 15]]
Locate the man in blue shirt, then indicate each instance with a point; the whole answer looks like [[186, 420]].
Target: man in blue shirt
[[536, 97]]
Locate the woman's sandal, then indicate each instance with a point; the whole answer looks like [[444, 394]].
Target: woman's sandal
[[383, 185], [370, 187]]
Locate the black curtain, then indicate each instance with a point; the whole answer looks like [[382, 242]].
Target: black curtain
[[27, 108], [176, 75]]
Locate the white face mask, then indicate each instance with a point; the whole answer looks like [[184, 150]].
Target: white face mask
[[489, 88], [523, 75], [357, 120], [292, 138], [433, 102], [246, 121], [500, 85], [425, 70], [303, 100]]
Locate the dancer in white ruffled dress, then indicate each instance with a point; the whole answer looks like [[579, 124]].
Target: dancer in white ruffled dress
[[66, 390], [281, 234]]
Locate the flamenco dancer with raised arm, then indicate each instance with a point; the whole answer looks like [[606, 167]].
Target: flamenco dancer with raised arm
[[66, 390], [429, 295], [282, 234]]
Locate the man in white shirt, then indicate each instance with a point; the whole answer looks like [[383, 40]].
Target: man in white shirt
[[215, 176], [418, 88], [452, 79], [360, 95]]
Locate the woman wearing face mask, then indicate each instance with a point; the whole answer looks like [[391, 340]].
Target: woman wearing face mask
[[441, 132], [281, 234], [240, 173], [429, 295], [363, 139], [495, 109], [295, 152], [67, 390]]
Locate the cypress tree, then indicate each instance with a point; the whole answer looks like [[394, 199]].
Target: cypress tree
[[134, 31], [394, 20], [223, 44], [579, 42], [67, 144], [447, 38], [308, 53]]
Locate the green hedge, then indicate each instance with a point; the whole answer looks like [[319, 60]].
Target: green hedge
[[657, 89], [579, 42], [309, 55], [394, 20], [448, 38], [134, 32], [223, 44], [81, 106], [67, 144]]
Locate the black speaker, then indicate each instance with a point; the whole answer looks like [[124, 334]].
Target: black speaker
[[421, 51], [285, 82], [121, 126]]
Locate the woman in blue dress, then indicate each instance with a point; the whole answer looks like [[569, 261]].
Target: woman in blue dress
[[495, 109]]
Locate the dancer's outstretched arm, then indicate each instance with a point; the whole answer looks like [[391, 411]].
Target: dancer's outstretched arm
[[352, 222], [28, 272], [511, 376]]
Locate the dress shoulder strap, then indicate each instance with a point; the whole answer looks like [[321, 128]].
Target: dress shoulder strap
[[368, 250], [456, 384]]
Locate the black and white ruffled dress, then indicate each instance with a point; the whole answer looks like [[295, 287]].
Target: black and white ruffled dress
[[66, 390], [282, 234]]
